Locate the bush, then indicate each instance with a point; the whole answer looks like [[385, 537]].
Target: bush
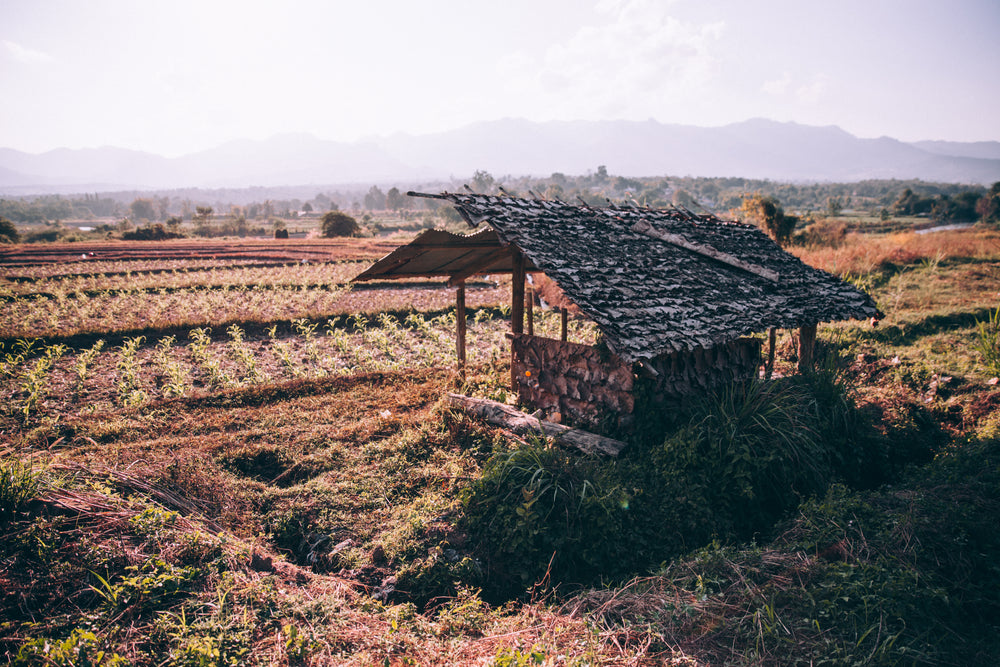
[[336, 223], [154, 232], [8, 232]]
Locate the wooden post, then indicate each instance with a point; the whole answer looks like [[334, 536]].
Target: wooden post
[[772, 339], [565, 325], [516, 305], [529, 306], [460, 329], [807, 341]]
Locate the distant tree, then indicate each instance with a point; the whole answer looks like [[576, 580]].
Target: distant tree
[[336, 223], [203, 215], [834, 206], [766, 212], [143, 209], [174, 221], [394, 199], [8, 232], [483, 181], [910, 203], [375, 199], [601, 177], [988, 206], [684, 198], [307, 207]]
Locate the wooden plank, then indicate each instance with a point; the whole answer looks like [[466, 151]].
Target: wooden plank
[[500, 414], [644, 227]]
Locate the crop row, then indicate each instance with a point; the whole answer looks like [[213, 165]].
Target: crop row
[[108, 313], [298, 275], [96, 268], [46, 383]]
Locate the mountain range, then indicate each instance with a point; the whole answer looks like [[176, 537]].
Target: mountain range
[[756, 148]]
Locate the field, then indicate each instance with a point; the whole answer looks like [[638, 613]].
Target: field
[[221, 453]]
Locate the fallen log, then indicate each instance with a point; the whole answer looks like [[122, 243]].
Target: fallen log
[[500, 414]]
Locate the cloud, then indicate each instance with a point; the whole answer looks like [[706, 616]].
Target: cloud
[[813, 92], [805, 92], [777, 86], [639, 59], [25, 55]]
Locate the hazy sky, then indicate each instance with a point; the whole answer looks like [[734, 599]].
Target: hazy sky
[[178, 76]]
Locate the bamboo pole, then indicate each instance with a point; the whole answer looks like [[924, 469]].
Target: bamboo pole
[[460, 325]]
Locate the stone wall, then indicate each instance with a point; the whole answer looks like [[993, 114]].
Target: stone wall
[[575, 380], [585, 385]]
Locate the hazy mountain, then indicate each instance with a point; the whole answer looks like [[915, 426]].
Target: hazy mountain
[[986, 150], [755, 148]]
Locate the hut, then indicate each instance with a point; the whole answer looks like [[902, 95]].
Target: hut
[[674, 294]]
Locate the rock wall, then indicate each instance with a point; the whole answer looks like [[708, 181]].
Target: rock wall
[[573, 379], [590, 386]]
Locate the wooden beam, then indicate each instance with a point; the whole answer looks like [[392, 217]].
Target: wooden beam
[[460, 324], [516, 306], [807, 343], [644, 227], [564, 329], [507, 417]]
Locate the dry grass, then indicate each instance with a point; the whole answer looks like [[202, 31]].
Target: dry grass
[[864, 254]]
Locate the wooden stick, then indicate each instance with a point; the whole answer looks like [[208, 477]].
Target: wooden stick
[[507, 417], [460, 325], [772, 338], [565, 325]]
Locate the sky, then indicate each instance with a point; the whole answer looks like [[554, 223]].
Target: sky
[[178, 76]]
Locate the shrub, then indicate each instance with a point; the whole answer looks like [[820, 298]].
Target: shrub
[[336, 223], [8, 232], [154, 232]]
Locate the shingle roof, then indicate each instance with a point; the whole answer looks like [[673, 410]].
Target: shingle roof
[[646, 278]]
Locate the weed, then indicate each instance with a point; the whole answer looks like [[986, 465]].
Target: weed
[[81, 647]]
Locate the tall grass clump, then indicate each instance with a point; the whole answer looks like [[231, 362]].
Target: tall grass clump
[[539, 510], [18, 486], [987, 341]]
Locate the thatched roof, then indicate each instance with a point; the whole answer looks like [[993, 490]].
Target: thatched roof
[[661, 281]]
